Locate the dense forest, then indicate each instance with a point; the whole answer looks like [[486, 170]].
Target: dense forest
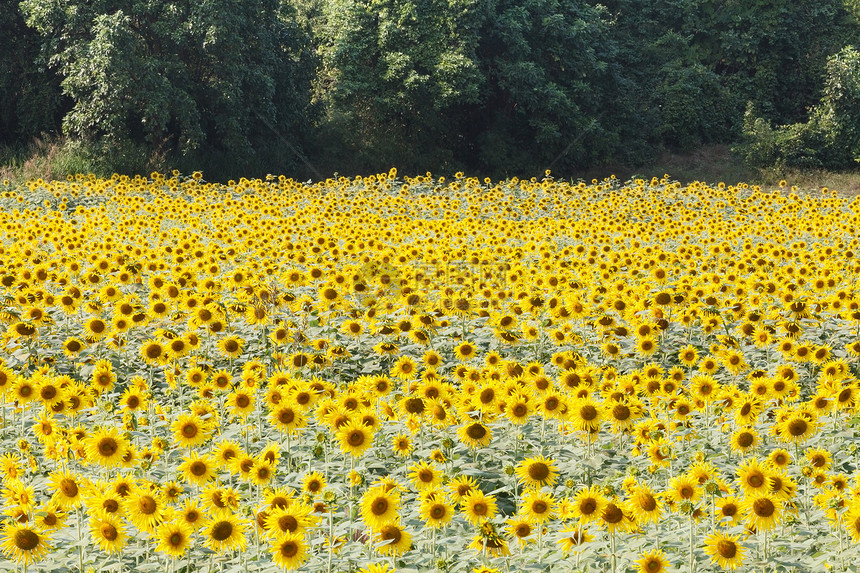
[[492, 87]]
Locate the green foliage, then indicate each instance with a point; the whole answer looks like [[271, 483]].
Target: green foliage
[[174, 77], [30, 98], [831, 136]]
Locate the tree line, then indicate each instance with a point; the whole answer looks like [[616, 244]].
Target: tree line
[[493, 87]]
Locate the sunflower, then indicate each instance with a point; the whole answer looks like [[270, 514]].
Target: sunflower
[[190, 513], [108, 533], [461, 486], [392, 539], [763, 511], [435, 512], [145, 509], [520, 528], [24, 544], [404, 368], [241, 403], [287, 418], [197, 469], [67, 489], [588, 504], [645, 505], [684, 488], [401, 445], [313, 483], [106, 447], [798, 426], [230, 346], [50, 517], [519, 409], [133, 400], [290, 551], [728, 508], [295, 518], [752, 476], [537, 472], [653, 562], [23, 391], [354, 437], [744, 440], [224, 532], [189, 430], [174, 537], [851, 521], [154, 353], [477, 507], [488, 541], [475, 434], [819, 458], [724, 550], [616, 517], [379, 507], [425, 476], [586, 415], [688, 356], [465, 351], [537, 506]]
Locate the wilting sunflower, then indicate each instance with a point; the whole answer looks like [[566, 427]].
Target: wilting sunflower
[[108, 532], [24, 544], [224, 532], [724, 550], [537, 472], [289, 551], [616, 517], [379, 507], [393, 539], [574, 538], [488, 540]]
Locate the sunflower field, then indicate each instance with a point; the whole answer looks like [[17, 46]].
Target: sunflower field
[[421, 374]]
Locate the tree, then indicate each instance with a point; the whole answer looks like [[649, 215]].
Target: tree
[[30, 98], [176, 76]]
